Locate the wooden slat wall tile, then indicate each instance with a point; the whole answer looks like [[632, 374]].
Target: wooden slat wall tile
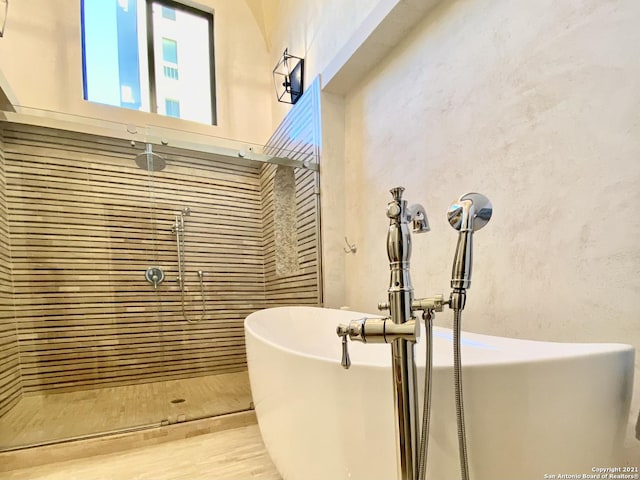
[[298, 137], [10, 378], [85, 224]]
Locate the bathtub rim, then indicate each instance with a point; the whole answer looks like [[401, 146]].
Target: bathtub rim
[[600, 348]]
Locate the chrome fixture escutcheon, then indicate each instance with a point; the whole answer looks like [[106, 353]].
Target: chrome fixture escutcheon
[[154, 275]]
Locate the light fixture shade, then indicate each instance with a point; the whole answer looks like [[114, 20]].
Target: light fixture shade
[[288, 77]]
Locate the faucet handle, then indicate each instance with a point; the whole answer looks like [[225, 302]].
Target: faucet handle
[[154, 275], [343, 331], [418, 218], [397, 193]]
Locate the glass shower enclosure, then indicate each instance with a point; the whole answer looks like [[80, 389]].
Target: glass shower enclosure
[[128, 267]]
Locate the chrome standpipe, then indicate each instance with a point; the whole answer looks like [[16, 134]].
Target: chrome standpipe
[[400, 329]]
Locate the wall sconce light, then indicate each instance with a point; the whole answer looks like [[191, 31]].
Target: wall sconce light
[[4, 8], [288, 78]]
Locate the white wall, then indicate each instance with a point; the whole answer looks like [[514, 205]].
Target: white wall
[[314, 30], [536, 105], [41, 58]]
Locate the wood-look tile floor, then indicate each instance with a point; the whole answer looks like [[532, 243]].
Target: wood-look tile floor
[[235, 454], [43, 418]]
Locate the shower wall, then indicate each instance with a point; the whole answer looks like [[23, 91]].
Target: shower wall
[[300, 284], [86, 223], [10, 384], [291, 210]]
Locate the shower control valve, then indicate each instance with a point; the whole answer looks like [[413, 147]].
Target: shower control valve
[[154, 275], [375, 330]]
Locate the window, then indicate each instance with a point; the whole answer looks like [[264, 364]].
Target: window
[[131, 50], [169, 50], [170, 72], [172, 107], [170, 58], [168, 13]]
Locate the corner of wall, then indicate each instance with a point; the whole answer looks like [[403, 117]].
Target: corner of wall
[[298, 138], [332, 198]]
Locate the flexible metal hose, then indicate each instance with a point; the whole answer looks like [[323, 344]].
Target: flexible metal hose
[[179, 231], [426, 407], [457, 378], [204, 302]]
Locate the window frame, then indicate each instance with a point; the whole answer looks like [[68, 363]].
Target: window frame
[[208, 16], [153, 101]]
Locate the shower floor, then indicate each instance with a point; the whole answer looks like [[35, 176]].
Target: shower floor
[[46, 418]]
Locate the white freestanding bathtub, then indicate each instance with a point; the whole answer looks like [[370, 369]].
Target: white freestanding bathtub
[[531, 408]]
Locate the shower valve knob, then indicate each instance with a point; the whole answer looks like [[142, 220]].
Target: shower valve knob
[[154, 275]]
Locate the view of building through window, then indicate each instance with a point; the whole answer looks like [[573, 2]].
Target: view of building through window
[[161, 63]]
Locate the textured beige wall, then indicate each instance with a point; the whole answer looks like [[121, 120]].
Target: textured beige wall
[[317, 30], [536, 105], [41, 58], [314, 30]]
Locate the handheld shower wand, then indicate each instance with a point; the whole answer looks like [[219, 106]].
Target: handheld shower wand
[[471, 212]]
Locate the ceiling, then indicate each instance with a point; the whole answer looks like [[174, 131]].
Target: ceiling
[[264, 12]]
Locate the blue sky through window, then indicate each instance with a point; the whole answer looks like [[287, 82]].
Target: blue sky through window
[[172, 107], [127, 66], [101, 52], [169, 50], [111, 57]]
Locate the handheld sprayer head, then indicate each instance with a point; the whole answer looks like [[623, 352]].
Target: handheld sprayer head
[[471, 212]]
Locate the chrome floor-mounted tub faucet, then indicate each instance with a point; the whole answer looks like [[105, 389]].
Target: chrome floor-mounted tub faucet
[[401, 329]]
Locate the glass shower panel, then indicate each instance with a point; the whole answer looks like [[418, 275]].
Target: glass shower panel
[[81, 220], [127, 270], [209, 245], [147, 353]]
